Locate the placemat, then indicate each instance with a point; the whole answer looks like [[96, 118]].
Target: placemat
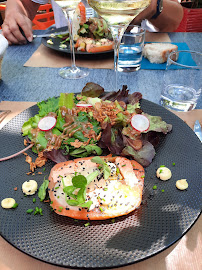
[[145, 64]]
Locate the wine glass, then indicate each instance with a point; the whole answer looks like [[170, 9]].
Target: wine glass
[[118, 14], [68, 7]]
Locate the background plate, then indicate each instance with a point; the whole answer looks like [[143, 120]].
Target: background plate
[[162, 219], [56, 45]]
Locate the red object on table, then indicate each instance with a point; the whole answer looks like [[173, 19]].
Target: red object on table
[[191, 21], [44, 17]]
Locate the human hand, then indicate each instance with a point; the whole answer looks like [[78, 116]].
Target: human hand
[[16, 18], [147, 13]]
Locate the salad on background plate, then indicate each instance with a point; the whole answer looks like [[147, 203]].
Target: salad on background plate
[[91, 35]]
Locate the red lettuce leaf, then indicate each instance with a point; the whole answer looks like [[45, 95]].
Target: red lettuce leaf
[[56, 156], [144, 156], [122, 95]]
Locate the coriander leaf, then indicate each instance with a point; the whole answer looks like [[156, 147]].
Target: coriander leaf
[[72, 202], [86, 204], [92, 176], [69, 191], [42, 190], [79, 181], [107, 171], [81, 195], [97, 160]]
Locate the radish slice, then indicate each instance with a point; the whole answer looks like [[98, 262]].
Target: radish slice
[[47, 123], [84, 105], [140, 122]]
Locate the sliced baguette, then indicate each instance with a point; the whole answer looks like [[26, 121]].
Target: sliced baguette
[[158, 52]]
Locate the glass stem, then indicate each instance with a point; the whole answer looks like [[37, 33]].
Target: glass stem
[[117, 33], [69, 20]]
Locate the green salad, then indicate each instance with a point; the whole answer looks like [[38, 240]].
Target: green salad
[[94, 122]]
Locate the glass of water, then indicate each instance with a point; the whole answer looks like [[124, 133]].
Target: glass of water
[[130, 50], [182, 81]]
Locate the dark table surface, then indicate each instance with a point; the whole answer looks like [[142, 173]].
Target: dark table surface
[[21, 83]]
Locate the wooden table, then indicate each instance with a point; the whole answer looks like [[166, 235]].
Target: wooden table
[[183, 255]]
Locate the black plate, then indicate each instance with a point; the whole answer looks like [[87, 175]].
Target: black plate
[[162, 219], [56, 45]]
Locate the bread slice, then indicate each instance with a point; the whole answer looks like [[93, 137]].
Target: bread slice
[[158, 52]]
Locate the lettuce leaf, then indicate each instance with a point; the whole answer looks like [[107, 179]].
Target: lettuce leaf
[[144, 156], [60, 122], [67, 100], [51, 105], [157, 124], [30, 124]]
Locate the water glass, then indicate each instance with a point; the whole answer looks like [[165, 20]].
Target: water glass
[[182, 81], [130, 51]]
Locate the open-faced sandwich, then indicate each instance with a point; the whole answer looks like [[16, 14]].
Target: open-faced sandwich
[[96, 188]]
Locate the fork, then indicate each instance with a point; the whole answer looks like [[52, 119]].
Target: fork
[[90, 12], [3, 114]]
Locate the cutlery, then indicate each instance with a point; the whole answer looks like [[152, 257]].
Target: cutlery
[[50, 34], [3, 114], [198, 130]]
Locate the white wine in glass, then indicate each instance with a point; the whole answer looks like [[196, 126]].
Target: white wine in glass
[[118, 14], [68, 7]]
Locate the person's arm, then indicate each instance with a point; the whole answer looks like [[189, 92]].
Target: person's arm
[[19, 14], [168, 20]]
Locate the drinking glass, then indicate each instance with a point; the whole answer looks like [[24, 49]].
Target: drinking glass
[[68, 7], [118, 14], [182, 81], [130, 51]]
